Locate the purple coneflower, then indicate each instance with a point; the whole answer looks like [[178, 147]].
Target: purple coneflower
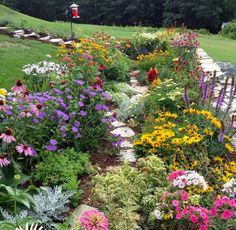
[[7, 136], [25, 149], [4, 161]]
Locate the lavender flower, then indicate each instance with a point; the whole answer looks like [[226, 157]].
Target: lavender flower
[[220, 99], [53, 142], [83, 113], [76, 123], [202, 81], [205, 92], [51, 148], [185, 97], [222, 132], [74, 130], [80, 104], [79, 82]]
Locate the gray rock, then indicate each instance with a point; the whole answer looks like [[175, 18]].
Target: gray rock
[[16, 36], [126, 144], [127, 155], [56, 40], [47, 38], [32, 35], [22, 32], [117, 124], [123, 132]]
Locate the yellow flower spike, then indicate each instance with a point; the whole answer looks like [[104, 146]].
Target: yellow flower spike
[[229, 148]]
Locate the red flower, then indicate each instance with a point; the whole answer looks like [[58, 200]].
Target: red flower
[[152, 74], [102, 67]]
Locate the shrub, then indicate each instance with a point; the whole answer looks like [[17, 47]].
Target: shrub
[[128, 194], [62, 168], [229, 31]]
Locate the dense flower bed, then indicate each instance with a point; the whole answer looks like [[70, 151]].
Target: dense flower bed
[[54, 120]]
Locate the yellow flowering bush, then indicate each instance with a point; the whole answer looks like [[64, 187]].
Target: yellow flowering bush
[[187, 137]]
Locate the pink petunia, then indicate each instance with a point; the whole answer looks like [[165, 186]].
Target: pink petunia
[[94, 220], [213, 212], [175, 203], [4, 161], [194, 219], [25, 149], [184, 195], [7, 136], [226, 214], [18, 87]]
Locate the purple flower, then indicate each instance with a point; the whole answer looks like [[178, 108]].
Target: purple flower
[[202, 81], [91, 93], [53, 142], [80, 104], [73, 114], [33, 151], [78, 135], [83, 113], [57, 91], [104, 107], [185, 97], [82, 96], [51, 148], [76, 123], [104, 120], [69, 97], [222, 132], [74, 130], [205, 91], [220, 99], [68, 90], [35, 121], [79, 82], [106, 96], [98, 107]]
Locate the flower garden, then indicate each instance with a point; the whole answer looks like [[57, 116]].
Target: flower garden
[[58, 149]]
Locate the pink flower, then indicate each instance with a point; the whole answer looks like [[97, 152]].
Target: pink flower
[[184, 196], [18, 87], [25, 149], [164, 195], [175, 203], [36, 109], [213, 212], [135, 73], [94, 220], [175, 174], [226, 214], [25, 113], [4, 161], [203, 227], [194, 219], [7, 136]]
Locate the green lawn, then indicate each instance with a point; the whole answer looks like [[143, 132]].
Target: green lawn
[[15, 53], [219, 48], [60, 29]]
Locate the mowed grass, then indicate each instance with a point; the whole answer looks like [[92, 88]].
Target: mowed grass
[[15, 53], [59, 29], [219, 48]]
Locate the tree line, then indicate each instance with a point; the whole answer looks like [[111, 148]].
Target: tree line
[[207, 14]]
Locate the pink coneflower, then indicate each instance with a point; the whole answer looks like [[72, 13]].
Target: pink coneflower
[[4, 161], [18, 87], [94, 220], [7, 136], [25, 113], [36, 109], [25, 149], [2, 107]]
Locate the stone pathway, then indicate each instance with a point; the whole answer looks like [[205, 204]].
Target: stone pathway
[[223, 71], [122, 130]]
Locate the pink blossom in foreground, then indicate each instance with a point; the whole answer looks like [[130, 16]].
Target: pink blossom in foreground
[[25, 149], [4, 161], [18, 87], [7, 136], [25, 113], [94, 220]]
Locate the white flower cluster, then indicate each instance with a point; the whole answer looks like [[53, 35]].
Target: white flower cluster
[[190, 178], [158, 214], [42, 68], [149, 36], [230, 188]]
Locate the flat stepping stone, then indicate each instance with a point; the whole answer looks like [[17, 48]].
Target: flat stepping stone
[[56, 40], [117, 124], [78, 212], [123, 132], [140, 89], [68, 43], [19, 32], [126, 144], [17, 36], [47, 38], [3, 28], [32, 35], [128, 155]]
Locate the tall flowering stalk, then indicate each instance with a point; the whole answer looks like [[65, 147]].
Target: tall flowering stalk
[[185, 97], [222, 132]]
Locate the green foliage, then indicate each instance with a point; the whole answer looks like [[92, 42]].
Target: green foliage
[[129, 193], [229, 31], [203, 31], [62, 168], [119, 87], [166, 96], [119, 69]]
